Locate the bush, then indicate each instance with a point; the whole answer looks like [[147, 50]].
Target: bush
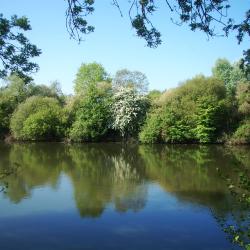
[[176, 128], [243, 98], [193, 112], [151, 130], [38, 118], [242, 134]]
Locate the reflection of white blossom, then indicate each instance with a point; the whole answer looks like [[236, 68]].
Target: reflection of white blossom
[[123, 170], [128, 191]]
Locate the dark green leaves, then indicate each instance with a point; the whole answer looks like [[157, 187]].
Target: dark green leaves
[[15, 48], [76, 22], [208, 16], [151, 35]]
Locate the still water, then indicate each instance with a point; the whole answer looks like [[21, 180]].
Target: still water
[[114, 196]]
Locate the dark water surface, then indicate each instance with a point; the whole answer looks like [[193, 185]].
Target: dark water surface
[[113, 196]]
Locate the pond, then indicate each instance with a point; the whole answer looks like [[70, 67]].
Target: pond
[[115, 196]]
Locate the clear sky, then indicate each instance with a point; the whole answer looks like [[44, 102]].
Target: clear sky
[[182, 55]]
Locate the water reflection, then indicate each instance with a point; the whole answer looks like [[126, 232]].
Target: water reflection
[[99, 175], [119, 176]]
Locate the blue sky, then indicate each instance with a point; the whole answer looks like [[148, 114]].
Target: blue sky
[[182, 55]]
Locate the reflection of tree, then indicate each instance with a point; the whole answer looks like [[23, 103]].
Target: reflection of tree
[[102, 175], [189, 172], [90, 178], [38, 166], [7, 168], [133, 198], [237, 223], [129, 193]]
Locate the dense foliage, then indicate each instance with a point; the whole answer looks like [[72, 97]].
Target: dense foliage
[[204, 110], [89, 74], [193, 112], [92, 115], [16, 91], [38, 118], [212, 109]]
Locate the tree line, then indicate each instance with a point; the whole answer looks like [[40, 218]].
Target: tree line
[[203, 109]]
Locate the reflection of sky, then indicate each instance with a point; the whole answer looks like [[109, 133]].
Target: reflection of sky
[[49, 220]]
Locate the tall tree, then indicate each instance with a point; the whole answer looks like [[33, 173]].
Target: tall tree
[[129, 111], [89, 74], [135, 79], [230, 74]]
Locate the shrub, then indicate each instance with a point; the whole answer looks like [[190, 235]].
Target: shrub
[[151, 130], [243, 98], [242, 134], [38, 118], [176, 128], [193, 112]]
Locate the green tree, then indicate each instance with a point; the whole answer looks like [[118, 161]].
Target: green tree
[[194, 112], [53, 90], [14, 92], [88, 74], [38, 118], [153, 95], [243, 97], [92, 116], [210, 119], [231, 75], [15, 48]]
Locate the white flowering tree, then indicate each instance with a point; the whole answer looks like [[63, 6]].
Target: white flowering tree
[[129, 110]]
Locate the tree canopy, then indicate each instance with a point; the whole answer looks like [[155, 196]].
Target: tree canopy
[[89, 74], [15, 48], [134, 79]]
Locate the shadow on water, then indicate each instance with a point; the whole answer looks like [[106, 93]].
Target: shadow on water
[[104, 174]]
